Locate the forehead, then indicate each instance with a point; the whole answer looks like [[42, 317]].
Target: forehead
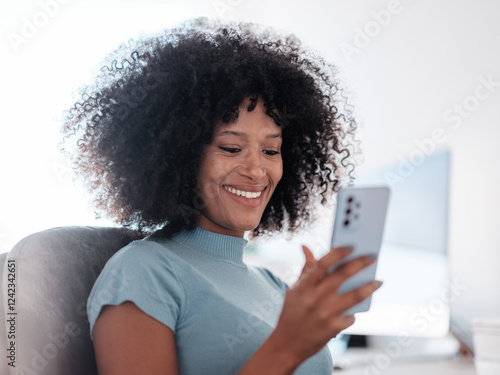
[[255, 122], [237, 132]]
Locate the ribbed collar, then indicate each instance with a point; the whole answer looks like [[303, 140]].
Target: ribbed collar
[[215, 245]]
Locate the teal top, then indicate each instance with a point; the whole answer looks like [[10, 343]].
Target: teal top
[[220, 309]]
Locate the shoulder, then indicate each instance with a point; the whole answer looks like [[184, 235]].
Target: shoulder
[[270, 277], [142, 255], [145, 273], [145, 249], [141, 263]]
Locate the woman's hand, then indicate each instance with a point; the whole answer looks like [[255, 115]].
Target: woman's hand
[[312, 312]]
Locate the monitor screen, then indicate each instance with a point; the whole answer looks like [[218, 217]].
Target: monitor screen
[[413, 261]]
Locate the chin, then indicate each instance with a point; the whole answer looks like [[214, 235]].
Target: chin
[[246, 226]]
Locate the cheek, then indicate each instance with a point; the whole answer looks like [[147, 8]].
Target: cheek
[[210, 177], [210, 190], [277, 172]]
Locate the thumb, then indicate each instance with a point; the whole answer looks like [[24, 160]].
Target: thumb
[[310, 260]]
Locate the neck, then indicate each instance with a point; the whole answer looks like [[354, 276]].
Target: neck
[[207, 224]]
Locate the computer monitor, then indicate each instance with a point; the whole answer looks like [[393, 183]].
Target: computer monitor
[[413, 262]]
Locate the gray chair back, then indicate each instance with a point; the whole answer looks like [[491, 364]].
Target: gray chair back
[[55, 272]]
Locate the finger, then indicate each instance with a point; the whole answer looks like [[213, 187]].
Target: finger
[[333, 257], [342, 322], [333, 281], [310, 260], [309, 264], [349, 299]]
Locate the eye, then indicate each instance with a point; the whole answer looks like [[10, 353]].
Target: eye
[[230, 149], [271, 152]]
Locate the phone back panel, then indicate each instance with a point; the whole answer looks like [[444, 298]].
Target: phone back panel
[[359, 223]]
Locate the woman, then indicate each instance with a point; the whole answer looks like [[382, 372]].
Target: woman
[[199, 136]]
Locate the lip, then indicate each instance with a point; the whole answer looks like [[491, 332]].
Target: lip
[[247, 202], [246, 187]]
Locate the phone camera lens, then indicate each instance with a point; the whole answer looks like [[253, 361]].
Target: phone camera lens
[[348, 211], [350, 199], [346, 223]]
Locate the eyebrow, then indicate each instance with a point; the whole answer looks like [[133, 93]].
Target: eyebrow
[[239, 134]]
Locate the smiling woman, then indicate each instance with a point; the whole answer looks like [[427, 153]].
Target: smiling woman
[[198, 136], [131, 126], [239, 171]]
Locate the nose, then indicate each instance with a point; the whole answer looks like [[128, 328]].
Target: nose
[[252, 166]]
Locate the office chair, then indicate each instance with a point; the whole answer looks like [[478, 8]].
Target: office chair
[[55, 272]]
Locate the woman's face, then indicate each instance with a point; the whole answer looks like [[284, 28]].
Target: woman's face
[[239, 172]]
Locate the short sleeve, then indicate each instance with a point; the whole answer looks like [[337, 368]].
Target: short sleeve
[[143, 273]]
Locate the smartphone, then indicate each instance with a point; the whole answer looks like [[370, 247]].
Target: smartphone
[[359, 223]]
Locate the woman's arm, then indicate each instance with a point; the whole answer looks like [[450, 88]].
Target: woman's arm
[[127, 341]]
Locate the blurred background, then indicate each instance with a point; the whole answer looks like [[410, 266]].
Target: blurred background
[[422, 76]]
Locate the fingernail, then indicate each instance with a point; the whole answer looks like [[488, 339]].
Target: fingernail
[[378, 283], [348, 249]]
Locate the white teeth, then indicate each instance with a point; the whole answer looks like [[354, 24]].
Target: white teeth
[[246, 194]]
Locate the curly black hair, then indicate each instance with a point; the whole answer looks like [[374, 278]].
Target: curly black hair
[[141, 128]]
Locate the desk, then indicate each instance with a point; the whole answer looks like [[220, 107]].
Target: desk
[[366, 362]]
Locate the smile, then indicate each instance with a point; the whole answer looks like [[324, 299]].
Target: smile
[[246, 194]]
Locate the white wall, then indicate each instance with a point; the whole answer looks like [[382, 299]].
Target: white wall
[[428, 57], [48, 49]]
